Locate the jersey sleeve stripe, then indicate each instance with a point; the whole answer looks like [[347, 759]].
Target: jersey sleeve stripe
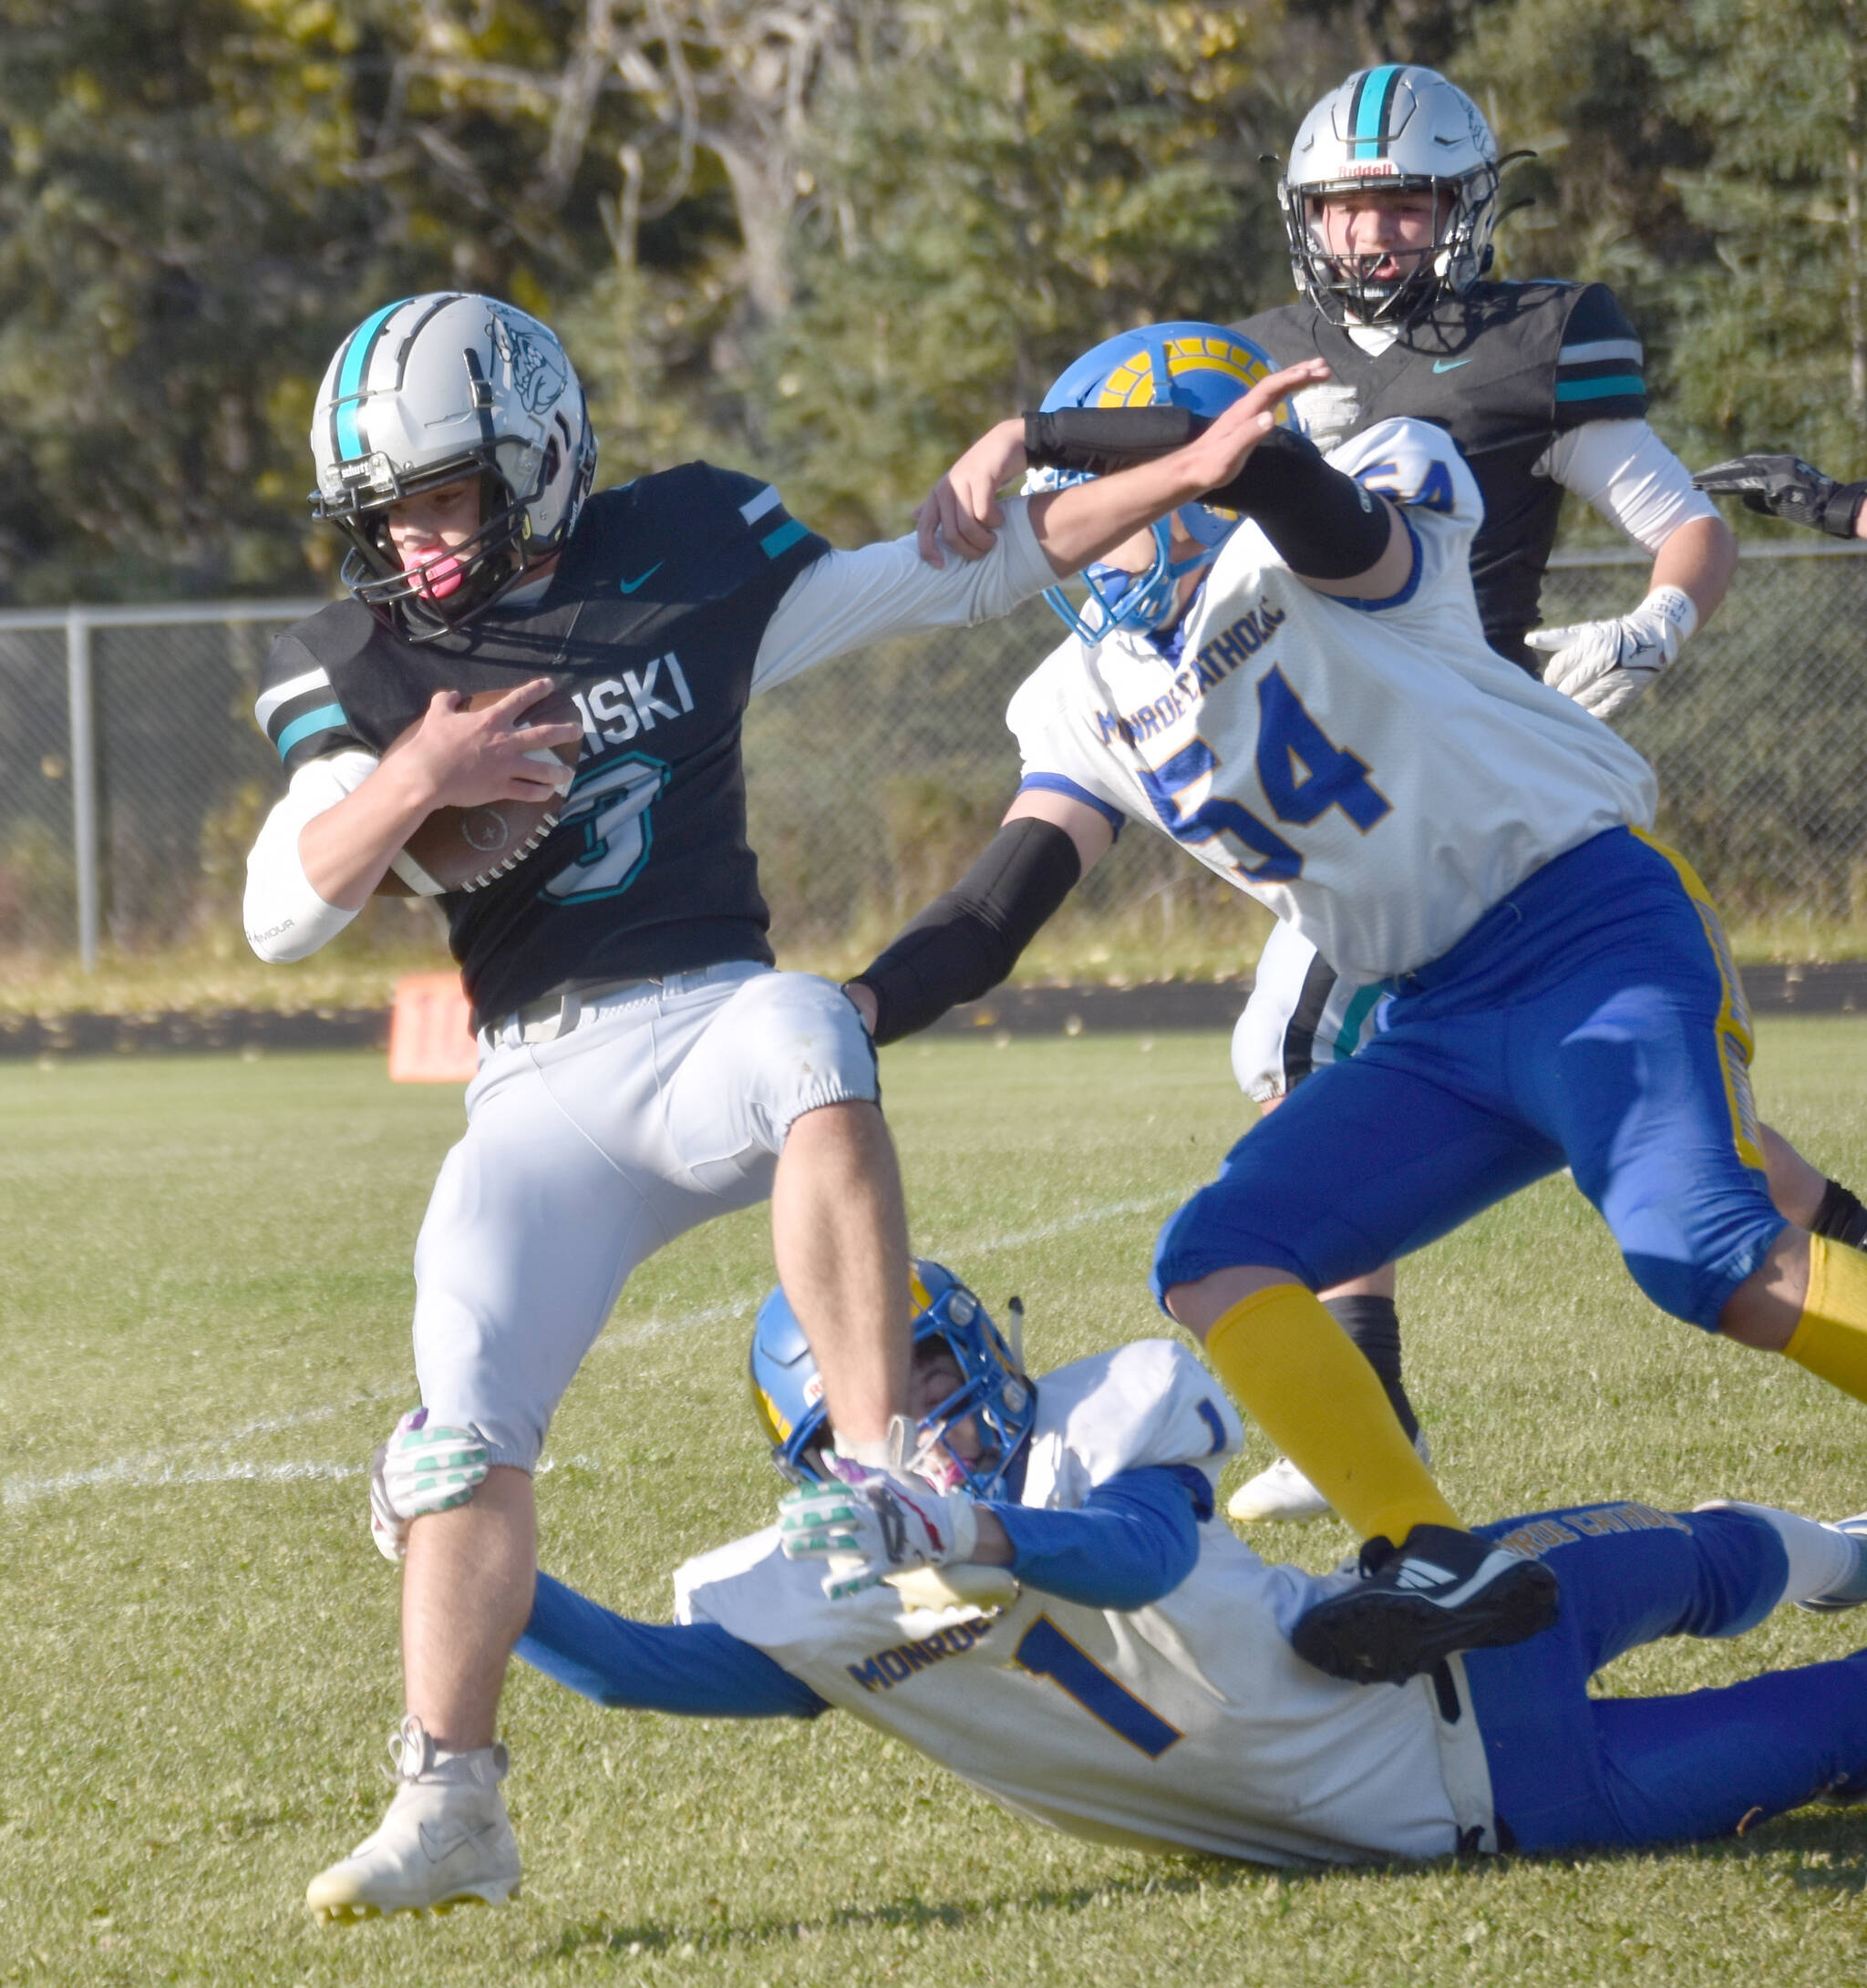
[[272, 701], [784, 538], [1058, 783], [1594, 349], [1607, 388], [326, 717]]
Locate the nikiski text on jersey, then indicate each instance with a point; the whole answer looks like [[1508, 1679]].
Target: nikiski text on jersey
[[614, 710]]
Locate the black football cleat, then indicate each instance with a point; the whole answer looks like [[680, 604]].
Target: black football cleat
[[1444, 1590]]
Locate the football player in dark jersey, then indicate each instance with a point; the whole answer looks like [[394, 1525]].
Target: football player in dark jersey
[[642, 1066]]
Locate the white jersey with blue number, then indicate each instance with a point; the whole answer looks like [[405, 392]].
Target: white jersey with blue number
[[1373, 771], [1188, 1725]]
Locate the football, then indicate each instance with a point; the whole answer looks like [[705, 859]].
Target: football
[[466, 848]]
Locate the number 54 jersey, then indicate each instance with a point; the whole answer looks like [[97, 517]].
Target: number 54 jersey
[[1189, 1724], [1372, 770]]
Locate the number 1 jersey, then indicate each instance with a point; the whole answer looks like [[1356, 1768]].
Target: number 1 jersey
[[1189, 1724]]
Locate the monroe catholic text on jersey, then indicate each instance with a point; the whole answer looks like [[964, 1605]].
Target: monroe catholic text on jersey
[[1504, 370], [1372, 770]]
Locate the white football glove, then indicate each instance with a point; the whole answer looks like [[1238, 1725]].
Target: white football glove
[[872, 1525], [1608, 666], [424, 1466]]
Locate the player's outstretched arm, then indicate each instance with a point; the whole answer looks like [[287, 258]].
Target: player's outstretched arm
[[969, 937], [1335, 537], [1787, 487], [454, 757], [693, 1669], [1078, 525]]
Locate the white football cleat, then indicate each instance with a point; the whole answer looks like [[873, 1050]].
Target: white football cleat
[[1851, 1593], [1284, 1494], [445, 1840]]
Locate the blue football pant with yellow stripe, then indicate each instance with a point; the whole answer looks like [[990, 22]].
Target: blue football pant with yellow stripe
[[1591, 1018], [1568, 1770]]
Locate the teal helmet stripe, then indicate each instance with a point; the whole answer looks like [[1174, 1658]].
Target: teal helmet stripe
[[345, 432], [1367, 113]]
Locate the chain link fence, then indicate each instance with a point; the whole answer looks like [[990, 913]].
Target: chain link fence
[[132, 778]]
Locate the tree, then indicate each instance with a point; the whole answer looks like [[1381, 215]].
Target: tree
[[1001, 183]]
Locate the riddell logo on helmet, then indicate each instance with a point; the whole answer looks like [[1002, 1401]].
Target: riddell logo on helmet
[[1370, 168]]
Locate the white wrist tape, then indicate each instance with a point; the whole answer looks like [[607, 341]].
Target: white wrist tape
[[1675, 605]]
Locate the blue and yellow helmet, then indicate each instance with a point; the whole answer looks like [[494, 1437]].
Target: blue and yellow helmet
[[787, 1392], [1201, 367]]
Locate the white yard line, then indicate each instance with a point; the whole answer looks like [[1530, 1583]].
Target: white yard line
[[152, 1468], [960, 1253], [21, 1491]]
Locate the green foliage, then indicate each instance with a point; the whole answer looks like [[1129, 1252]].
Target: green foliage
[[1052, 174], [833, 244]]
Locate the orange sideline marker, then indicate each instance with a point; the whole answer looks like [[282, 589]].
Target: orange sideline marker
[[430, 1041]]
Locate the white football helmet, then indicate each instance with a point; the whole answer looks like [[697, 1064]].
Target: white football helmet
[[1399, 126], [432, 391]]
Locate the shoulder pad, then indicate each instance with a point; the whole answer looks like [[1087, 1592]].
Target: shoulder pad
[[297, 709], [1415, 463], [1147, 1403]]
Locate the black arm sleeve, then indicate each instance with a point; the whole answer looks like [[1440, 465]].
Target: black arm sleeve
[[968, 939], [1323, 523], [1101, 440]]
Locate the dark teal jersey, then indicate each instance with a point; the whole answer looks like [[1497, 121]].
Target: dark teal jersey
[[1504, 370], [652, 623]]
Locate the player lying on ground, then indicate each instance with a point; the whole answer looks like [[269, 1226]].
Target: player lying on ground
[[1134, 1682], [1390, 196], [642, 1067], [1323, 724]]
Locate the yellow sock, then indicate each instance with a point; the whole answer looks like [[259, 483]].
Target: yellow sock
[[1830, 1339], [1314, 1394]]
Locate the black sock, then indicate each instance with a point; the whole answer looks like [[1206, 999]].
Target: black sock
[[1841, 1218], [1374, 1325]]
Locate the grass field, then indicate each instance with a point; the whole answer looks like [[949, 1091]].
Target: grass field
[[203, 1299]]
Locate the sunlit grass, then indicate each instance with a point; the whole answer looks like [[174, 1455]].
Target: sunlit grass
[[203, 1299]]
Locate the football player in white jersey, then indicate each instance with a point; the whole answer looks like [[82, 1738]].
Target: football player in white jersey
[[642, 1066], [1070, 1631], [1309, 706]]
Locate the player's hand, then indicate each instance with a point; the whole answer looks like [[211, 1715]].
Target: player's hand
[[1214, 459], [1608, 666], [460, 758], [423, 1468], [1787, 487], [963, 508], [869, 1525]]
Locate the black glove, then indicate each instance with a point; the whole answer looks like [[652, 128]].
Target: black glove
[[1787, 487]]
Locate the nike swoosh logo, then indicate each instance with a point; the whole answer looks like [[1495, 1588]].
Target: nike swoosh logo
[[1440, 365], [641, 580]]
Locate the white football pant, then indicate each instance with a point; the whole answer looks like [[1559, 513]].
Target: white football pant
[[665, 1106]]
